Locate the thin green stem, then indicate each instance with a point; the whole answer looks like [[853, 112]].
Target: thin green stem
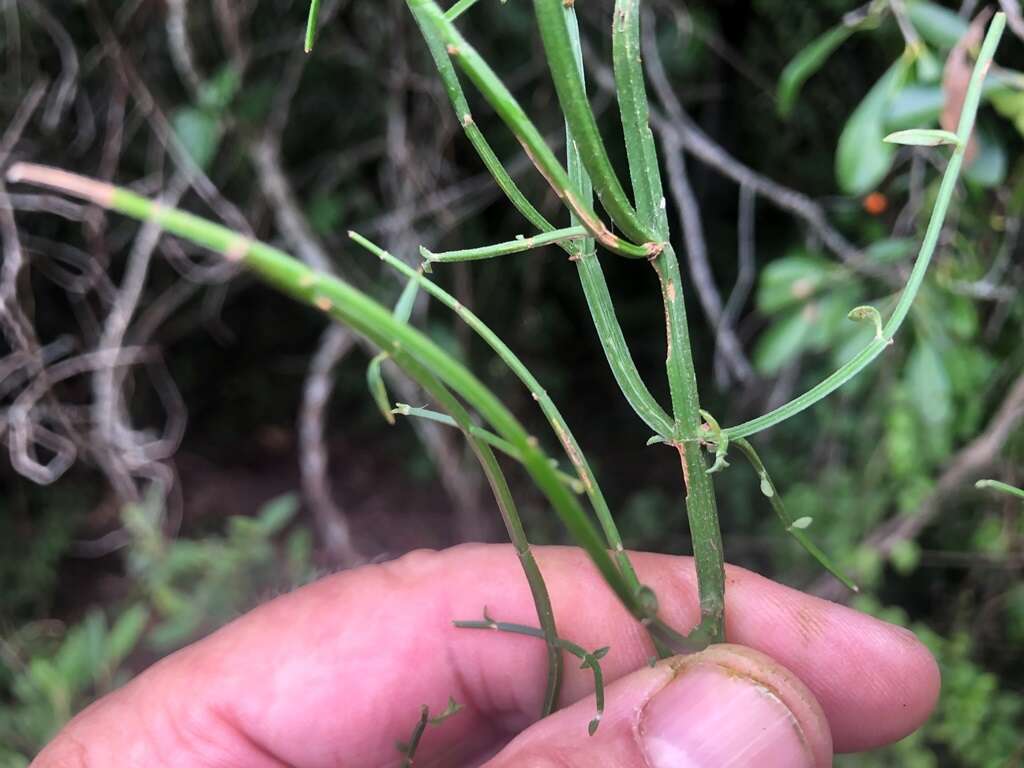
[[311, 24], [996, 485], [634, 112], [512, 114], [519, 245], [769, 489], [403, 409], [701, 509], [595, 287], [591, 660], [458, 9], [450, 79], [945, 195], [572, 95], [539, 394]]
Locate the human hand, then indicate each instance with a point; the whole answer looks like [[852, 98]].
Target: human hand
[[334, 674]]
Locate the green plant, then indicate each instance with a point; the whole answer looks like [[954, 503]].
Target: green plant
[[183, 587], [645, 236]]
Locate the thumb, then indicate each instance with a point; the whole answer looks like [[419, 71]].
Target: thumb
[[726, 706]]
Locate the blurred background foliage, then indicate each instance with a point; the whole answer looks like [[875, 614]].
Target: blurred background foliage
[[203, 489]]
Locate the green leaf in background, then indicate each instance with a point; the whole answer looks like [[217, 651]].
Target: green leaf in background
[[939, 27], [219, 91], [125, 635], [199, 133], [913, 106], [988, 169], [806, 63], [276, 514], [783, 341], [890, 250], [792, 280], [862, 157], [923, 137], [929, 386]]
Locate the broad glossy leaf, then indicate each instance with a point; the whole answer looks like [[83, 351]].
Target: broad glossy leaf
[[938, 26], [862, 157]]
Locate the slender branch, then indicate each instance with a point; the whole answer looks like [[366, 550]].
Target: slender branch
[[537, 391], [793, 527], [519, 245], [572, 95], [509, 110], [403, 409], [935, 224]]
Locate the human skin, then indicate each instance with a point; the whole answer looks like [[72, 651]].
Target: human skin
[[334, 674]]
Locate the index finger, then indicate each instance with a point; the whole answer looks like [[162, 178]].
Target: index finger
[[335, 673]]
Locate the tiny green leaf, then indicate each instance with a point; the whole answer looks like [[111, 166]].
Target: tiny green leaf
[[867, 312], [766, 485], [923, 137], [802, 523]]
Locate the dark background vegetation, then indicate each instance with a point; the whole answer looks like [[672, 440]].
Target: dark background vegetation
[[198, 495]]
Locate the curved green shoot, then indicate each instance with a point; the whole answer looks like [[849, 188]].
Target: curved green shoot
[[572, 95], [794, 528], [374, 378], [590, 660], [404, 409], [866, 356], [459, 8], [519, 245], [996, 485], [513, 115]]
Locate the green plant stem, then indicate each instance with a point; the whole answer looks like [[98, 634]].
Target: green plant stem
[[403, 409], [457, 97], [572, 95], [512, 114], [996, 485], [590, 660], [311, 23], [520, 244], [641, 152], [365, 316], [458, 9], [775, 499], [866, 356], [555, 419], [595, 287], [701, 509]]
